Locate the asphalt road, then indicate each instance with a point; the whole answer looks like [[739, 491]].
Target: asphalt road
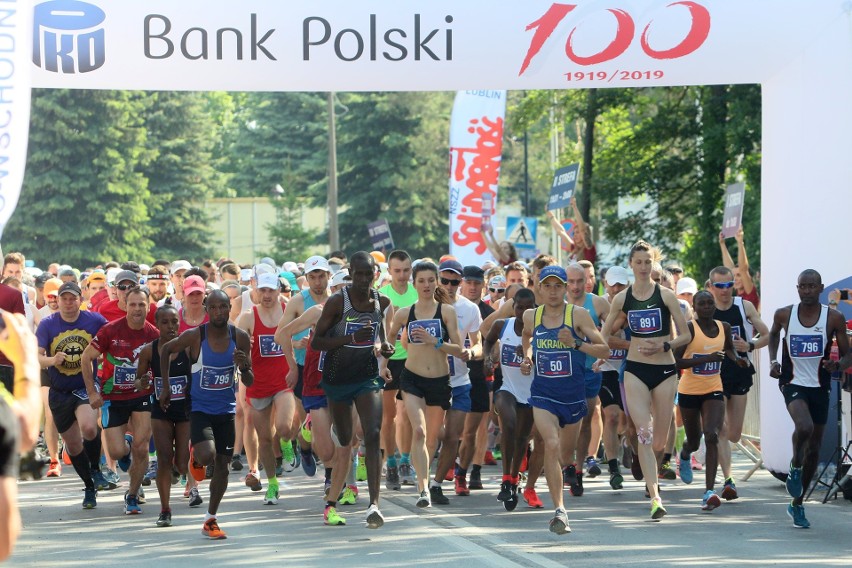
[[609, 528]]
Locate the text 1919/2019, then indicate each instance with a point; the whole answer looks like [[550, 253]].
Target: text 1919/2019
[[609, 76]]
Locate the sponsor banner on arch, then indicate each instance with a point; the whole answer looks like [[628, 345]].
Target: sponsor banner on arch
[[476, 152], [389, 45]]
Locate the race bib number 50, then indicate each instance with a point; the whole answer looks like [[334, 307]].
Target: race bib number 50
[[553, 365]]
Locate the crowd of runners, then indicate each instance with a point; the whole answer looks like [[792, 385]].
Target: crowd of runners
[[406, 372]]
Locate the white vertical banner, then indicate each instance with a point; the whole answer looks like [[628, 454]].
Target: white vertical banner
[[15, 51], [476, 151]]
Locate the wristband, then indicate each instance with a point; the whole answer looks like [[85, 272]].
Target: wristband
[[439, 343]]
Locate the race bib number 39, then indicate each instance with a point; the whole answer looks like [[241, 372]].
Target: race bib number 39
[[645, 321], [509, 356], [806, 346], [177, 384], [123, 378], [268, 347], [552, 365], [217, 378], [431, 326]]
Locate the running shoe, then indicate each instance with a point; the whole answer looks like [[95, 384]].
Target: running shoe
[[636, 468], [461, 486], [657, 510], [685, 469], [532, 499], [616, 480], [195, 469], [729, 493], [326, 487], [279, 467], [797, 513], [183, 480], [55, 469], [100, 480], [212, 531], [331, 518], [140, 496], [271, 497], [131, 505], [175, 475], [626, 455], [666, 471], [236, 463], [497, 454], [407, 475], [489, 459], [124, 463], [569, 475], [253, 481], [559, 522], [436, 495], [576, 488], [208, 472], [150, 474], [165, 519], [423, 501], [710, 501], [511, 503], [361, 469], [288, 456], [391, 479], [374, 517], [350, 495], [195, 497], [90, 498], [794, 482], [305, 430], [696, 465], [505, 491], [450, 474], [592, 468], [475, 481], [309, 464]]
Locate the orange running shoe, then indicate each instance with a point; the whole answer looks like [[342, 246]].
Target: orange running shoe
[[198, 471], [211, 530], [532, 499], [55, 469]]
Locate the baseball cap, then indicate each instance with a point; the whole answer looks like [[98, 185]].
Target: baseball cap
[[266, 280], [180, 265], [452, 265], [617, 275], [316, 263], [245, 274], [674, 269], [497, 282], [473, 273], [131, 266], [194, 284], [70, 287], [52, 286], [42, 278], [290, 278], [67, 272], [96, 277], [290, 266], [379, 256], [268, 260], [687, 286], [111, 274], [553, 271], [264, 268], [125, 275], [340, 277]]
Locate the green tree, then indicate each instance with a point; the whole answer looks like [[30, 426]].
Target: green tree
[[84, 198], [183, 135]]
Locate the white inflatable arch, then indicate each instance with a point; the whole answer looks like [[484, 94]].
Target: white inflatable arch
[[800, 52]]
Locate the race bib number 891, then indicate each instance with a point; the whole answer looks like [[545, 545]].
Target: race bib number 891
[[645, 321]]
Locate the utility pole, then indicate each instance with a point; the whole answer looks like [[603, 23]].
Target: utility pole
[[333, 230]]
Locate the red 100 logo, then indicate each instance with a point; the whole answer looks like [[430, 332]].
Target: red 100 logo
[[626, 33]]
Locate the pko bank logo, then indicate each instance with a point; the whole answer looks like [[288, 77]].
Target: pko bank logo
[[68, 36]]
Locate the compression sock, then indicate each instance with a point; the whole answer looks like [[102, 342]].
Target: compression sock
[[83, 468]]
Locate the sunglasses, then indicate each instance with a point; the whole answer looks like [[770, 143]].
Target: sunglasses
[[496, 290], [285, 290], [448, 282], [124, 287], [723, 285]]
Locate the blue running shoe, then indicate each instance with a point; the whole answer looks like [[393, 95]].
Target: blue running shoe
[[794, 482], [685, 469], [124, 463], [90, 500], [309, 464], [131, 505], [797, 513], [112, 478], [101, 483]]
